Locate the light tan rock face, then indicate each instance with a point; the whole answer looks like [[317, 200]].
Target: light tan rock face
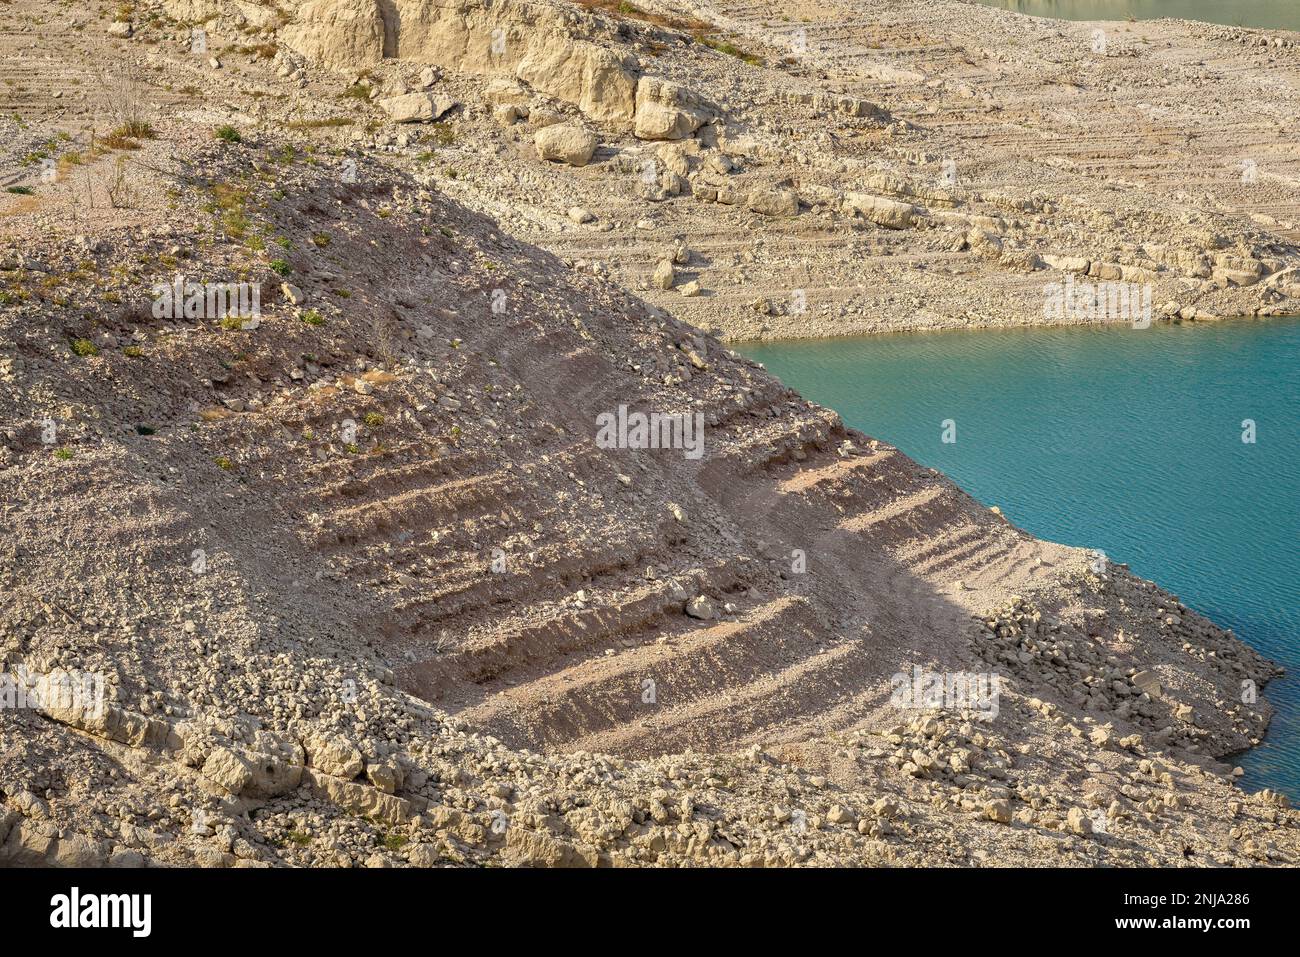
[[565, 143], [416, 107], [666, 111], [334, 755], [773, 202], [594, 78], [510, 40], [889, 213], [338, 34]]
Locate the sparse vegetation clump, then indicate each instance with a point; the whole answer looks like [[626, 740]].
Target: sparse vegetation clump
[[230, 204], [228, 134], [136, 129], [623, 10], [84, 348], [327, 123], [443, 134], [116, 140], [259, 51], [727, 47]]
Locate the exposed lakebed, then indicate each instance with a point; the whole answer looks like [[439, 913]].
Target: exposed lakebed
[[1126, 440]]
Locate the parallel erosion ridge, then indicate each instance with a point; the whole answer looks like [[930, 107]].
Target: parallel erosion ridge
[[362, 587]]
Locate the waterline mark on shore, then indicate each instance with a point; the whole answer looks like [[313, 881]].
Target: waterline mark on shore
[[654, 430], [951, 690]]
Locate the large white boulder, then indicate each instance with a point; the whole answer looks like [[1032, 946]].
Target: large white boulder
[[666, 111], [889, 213], [416, 107], [565, 143]]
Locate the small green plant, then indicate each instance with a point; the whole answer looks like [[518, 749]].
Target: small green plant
[[299, 838], [224, 463], [352, 448], [228, 134], [230, 204], [730, 49], [232, 323], [20, 190], [281, 266], [133, 352], [373, 419], [136, 130], [313, 317], [63, 454], [443, 134], [321, 240], [84, 347], [394, 842]]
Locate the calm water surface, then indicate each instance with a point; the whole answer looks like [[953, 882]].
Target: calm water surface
[[1114, 438], [1265, 14]]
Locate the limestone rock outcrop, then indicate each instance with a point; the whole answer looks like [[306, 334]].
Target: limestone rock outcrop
[[416, 107], [512, 40], [565, 143], [666, 111], [337, 34]]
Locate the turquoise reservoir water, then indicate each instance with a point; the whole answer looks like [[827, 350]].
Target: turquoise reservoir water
[[1121, 439], [1264, 14]]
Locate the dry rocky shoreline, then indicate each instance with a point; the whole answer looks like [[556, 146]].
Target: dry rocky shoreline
[[363, 589]]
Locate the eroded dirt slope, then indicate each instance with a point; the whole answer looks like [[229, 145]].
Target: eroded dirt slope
[[364, 589]]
